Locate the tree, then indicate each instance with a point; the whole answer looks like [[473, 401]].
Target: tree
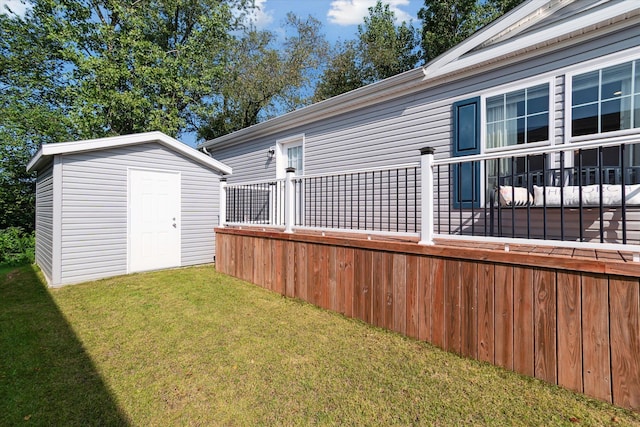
[[89, 68], [83, 69], [263, 79], [125, 67], [30, 114], [386, 49], [445, 23], [342, 74], [383, 49]]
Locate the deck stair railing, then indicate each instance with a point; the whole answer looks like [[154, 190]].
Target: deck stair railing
[[578, 195]]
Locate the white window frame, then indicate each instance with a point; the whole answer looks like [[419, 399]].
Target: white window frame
[[513, 87], [502, 90], [612, 60], [281, 158]]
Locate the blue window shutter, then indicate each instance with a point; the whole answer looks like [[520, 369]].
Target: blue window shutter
[[466, 141]]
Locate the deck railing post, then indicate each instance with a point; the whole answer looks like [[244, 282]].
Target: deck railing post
[[223, 202], [289, 200], [426, 182]]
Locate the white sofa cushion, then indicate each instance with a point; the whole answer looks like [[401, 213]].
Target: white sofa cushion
[[611, 195]]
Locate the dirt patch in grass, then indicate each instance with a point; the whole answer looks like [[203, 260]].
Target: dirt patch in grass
[[195, 347]]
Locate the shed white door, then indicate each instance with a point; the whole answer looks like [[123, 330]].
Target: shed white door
[[154, 220]]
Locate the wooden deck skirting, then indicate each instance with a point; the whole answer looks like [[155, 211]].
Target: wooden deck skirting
[[568, 319]]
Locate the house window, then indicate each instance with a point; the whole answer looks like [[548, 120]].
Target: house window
[[606, 100], [514, 119], [290, 154], [518, 117], [294, 157]]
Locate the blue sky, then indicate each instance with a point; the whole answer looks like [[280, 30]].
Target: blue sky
[[340, 18]]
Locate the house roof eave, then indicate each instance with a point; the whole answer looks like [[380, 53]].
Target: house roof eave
[[554, 33], [539, 8]]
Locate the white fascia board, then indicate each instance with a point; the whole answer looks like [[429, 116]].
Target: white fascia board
[[541, 37], [123, 140], [488, 32], [34, 160], [372, 94]]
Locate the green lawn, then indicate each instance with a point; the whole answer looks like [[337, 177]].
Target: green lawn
[[195, 347]]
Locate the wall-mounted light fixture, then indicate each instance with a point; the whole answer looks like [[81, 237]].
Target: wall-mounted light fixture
[[272, 152]]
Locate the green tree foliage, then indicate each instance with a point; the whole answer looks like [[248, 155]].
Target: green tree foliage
[[445, 23], [266, 77], [74, 69], [383, 49], [16, 246], [30, 113], [386, 49], [19, 136], [342, 74], [79, 69]]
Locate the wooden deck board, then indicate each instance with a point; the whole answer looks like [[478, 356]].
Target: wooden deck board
[[457, 243], [562, 251]]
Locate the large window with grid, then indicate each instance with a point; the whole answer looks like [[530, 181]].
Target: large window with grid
[[514, 119], [606, 100], [518, 117]]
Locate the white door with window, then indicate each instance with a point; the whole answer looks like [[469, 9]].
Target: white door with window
[[290, 154], [154, 220]]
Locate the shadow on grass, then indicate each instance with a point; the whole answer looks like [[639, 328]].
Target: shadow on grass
[[46, 378]]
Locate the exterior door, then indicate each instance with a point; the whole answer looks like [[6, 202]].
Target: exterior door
[[154, 220], [290, 154]]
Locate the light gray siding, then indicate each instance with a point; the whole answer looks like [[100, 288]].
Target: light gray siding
[[94, 208], [44, 220]]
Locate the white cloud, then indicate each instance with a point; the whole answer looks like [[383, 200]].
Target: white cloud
[[259, 16], [352, 12], [16, 7]]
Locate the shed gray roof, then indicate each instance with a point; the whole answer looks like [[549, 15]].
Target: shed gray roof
[[48, 150]]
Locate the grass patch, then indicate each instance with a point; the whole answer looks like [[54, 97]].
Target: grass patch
[[5, 268], [195, 347]]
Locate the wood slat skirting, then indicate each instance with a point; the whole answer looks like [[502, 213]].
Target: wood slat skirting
[[573, 327]]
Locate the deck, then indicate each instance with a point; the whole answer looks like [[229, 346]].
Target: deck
[[567, 316]]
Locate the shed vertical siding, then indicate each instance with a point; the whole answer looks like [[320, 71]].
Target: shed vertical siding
[[95, 215], [44, 220]]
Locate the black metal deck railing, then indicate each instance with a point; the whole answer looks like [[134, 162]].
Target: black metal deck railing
[[560, 195], [383, 200], [582, 192]]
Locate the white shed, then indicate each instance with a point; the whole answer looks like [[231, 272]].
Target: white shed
[[124, 204]]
